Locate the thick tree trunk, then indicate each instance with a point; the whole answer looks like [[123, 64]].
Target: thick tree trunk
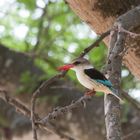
[[100, 15], [111, 105]]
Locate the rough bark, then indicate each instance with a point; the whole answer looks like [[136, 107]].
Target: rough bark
[[111, 105], [100, 15], [112, 108]]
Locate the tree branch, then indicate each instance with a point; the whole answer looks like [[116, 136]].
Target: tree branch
[[17, 104], [40, 27], [26, 112], [112, 107], [33, 101], [111, 104], [63, 110], [131, 100], [95, 44]]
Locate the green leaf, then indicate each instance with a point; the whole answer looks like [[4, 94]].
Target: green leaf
[[30, 4]]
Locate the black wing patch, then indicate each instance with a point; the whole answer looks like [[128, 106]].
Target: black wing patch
[[94, 74], [98, 77]]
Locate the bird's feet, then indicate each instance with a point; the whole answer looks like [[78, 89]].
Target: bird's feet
[[90, 93]]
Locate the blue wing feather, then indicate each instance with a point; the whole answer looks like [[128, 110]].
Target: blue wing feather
[[105, 82]]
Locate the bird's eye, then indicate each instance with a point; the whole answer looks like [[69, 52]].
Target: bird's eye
[[77, 63]]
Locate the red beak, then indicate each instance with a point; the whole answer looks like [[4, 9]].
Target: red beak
[[65, 67]]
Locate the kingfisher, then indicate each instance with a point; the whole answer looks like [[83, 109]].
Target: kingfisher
[[90, 77]]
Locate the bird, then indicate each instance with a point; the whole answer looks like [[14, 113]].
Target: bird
[[90, 77]]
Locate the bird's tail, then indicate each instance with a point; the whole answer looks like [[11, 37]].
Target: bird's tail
[[114, 93]]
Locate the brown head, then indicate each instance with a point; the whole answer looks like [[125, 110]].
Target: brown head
[[78, 63]]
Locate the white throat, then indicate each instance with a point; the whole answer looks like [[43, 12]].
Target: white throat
[[82, 78]]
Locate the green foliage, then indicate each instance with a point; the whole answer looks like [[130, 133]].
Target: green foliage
[[29, 4], [28, 83], [125, 112], [3, 121], [127, 82]]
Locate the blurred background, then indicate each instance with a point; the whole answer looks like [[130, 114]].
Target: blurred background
[[37, 36]]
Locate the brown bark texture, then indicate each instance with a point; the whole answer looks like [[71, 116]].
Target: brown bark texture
[[100, 15], [112, 108]]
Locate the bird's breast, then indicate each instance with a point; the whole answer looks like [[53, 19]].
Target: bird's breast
[[85, 80]]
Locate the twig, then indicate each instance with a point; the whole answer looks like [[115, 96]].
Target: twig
[[131, 34], [95, 44], [60, 111], [33, 101], [34, 126], [131, 100], [17, 104], [131, 134], [26, 112], [57, 112], [40, 27]]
